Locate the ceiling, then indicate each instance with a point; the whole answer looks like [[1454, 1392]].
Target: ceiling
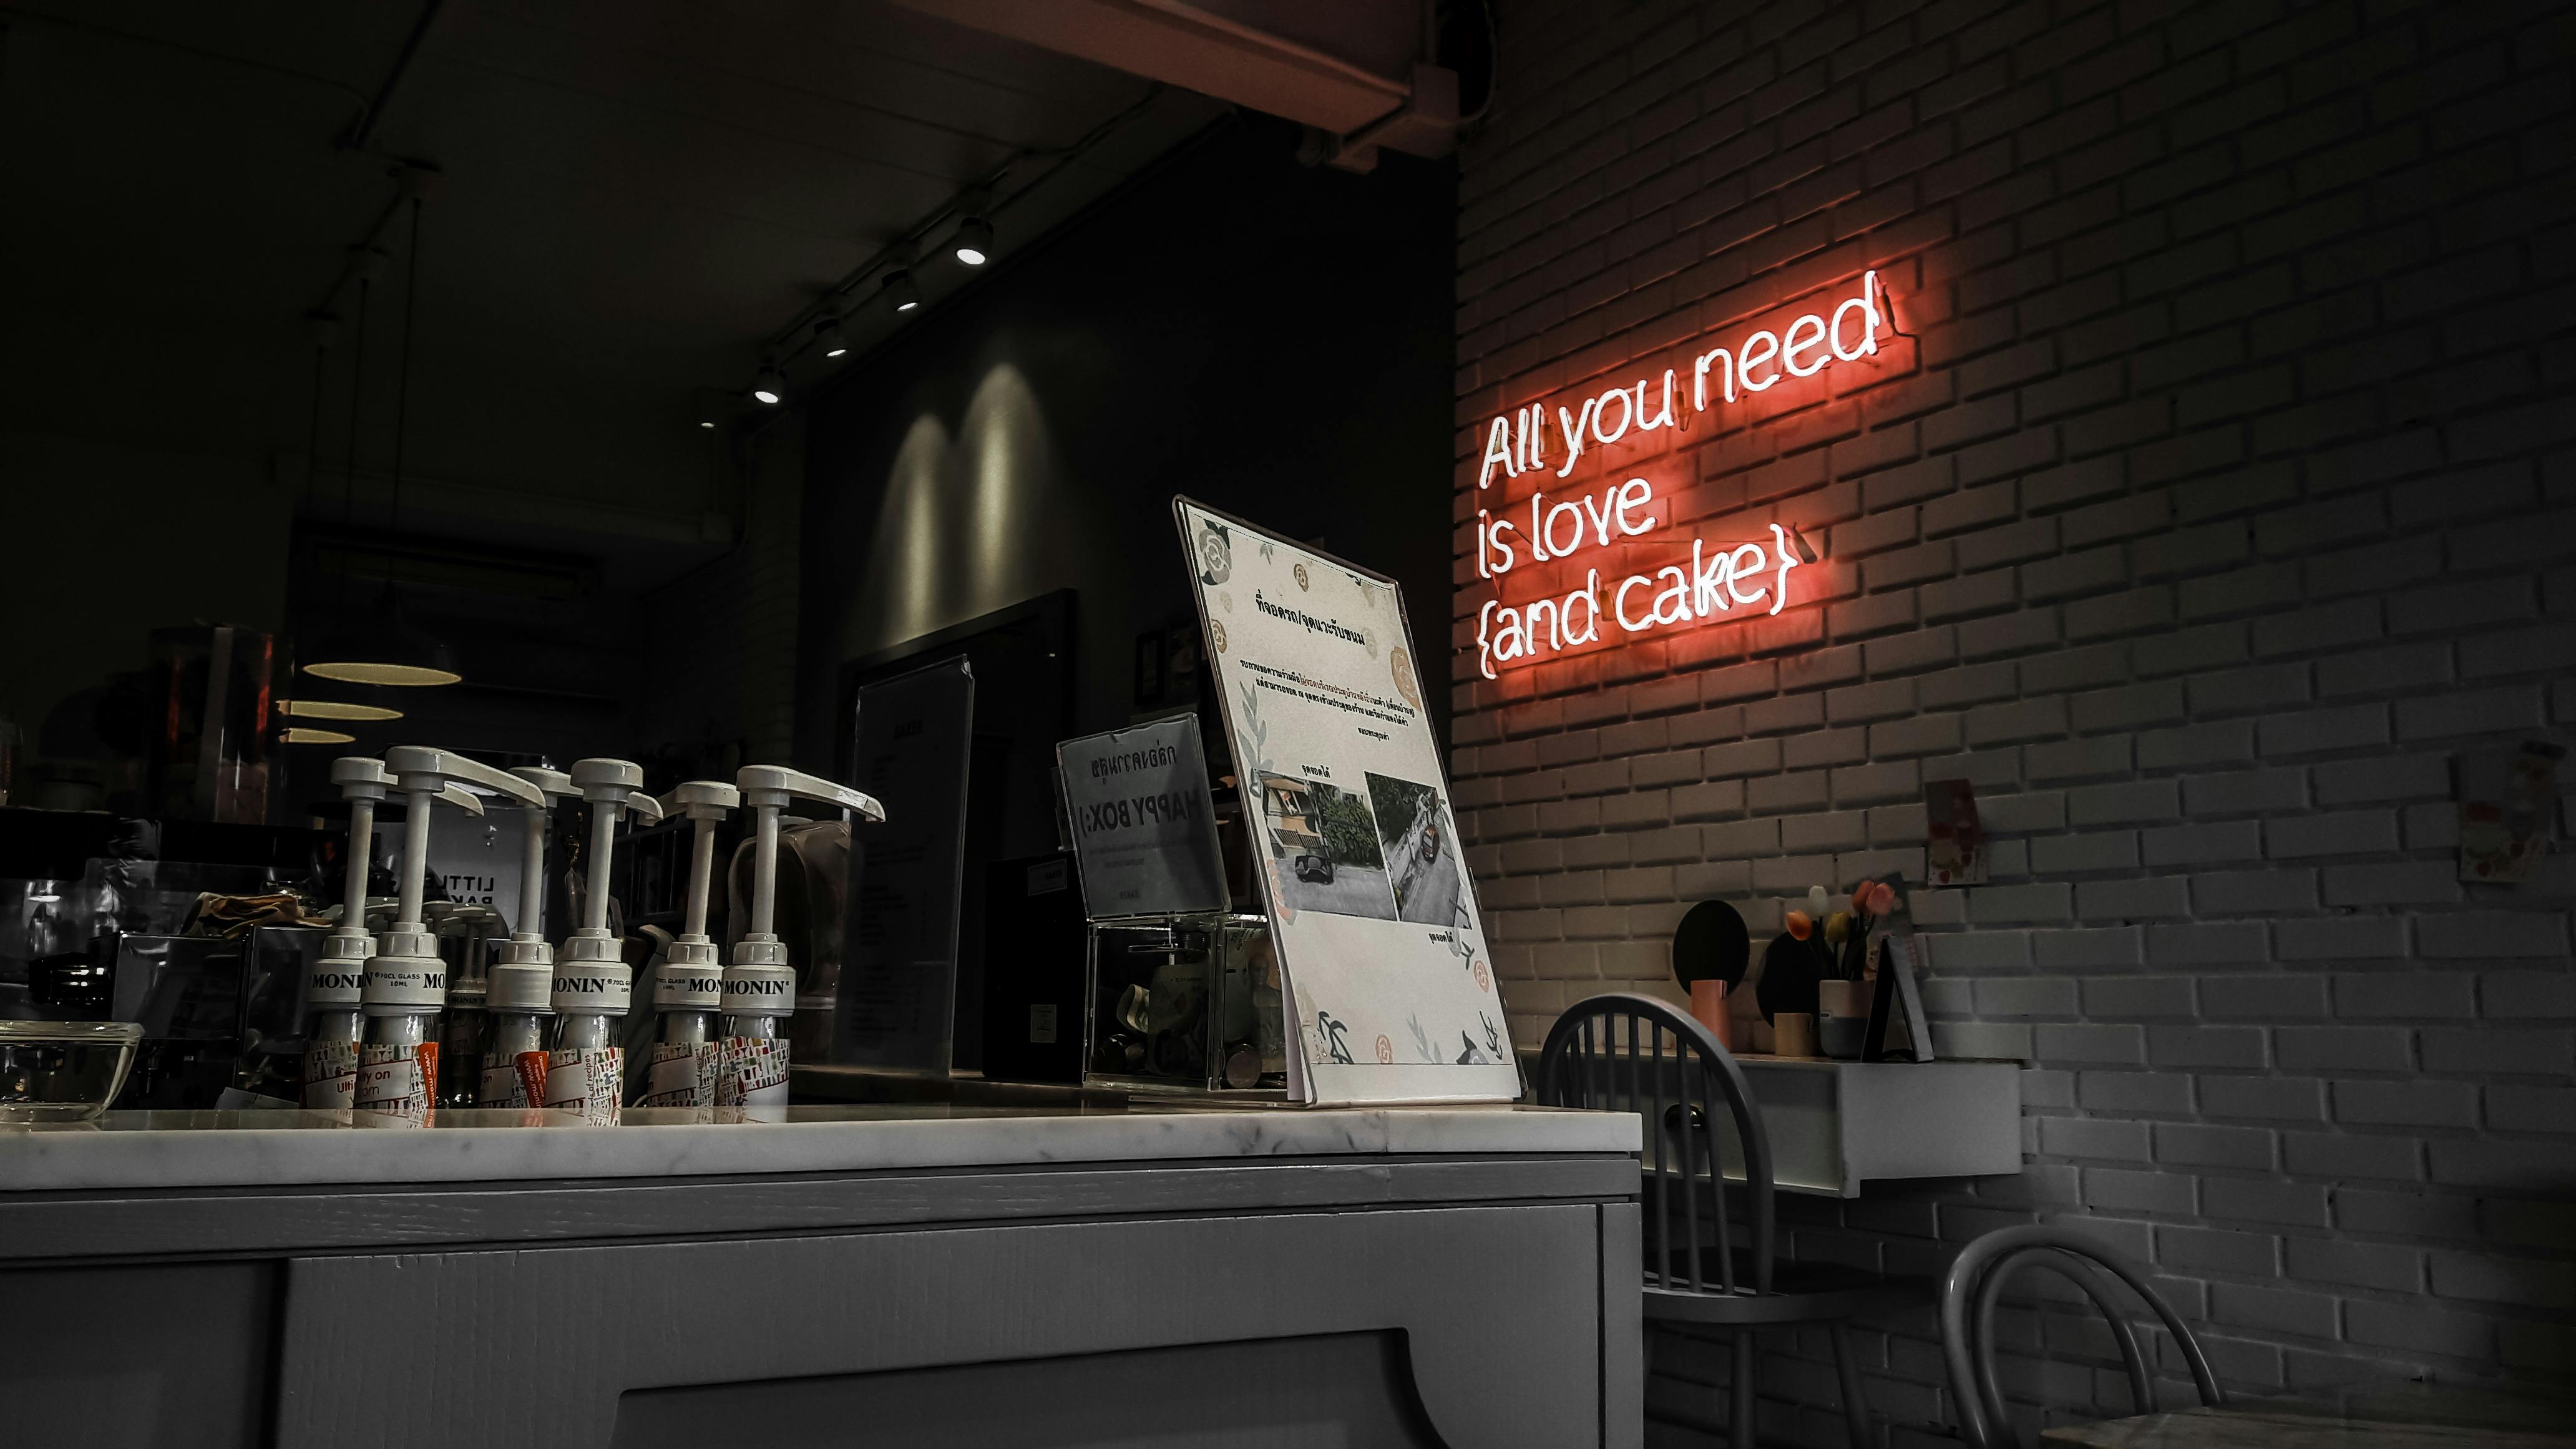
[[632, 196]]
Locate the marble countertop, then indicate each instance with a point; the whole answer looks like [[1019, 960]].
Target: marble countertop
[[145, 1150]]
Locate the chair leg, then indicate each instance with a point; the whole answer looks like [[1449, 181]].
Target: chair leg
[[1739, 1432], [1855, 1407]]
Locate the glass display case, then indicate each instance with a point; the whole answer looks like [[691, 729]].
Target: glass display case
[[1185, 1004]]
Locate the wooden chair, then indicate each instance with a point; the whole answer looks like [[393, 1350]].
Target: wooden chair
[[1976, 1281], [1624, 1053]]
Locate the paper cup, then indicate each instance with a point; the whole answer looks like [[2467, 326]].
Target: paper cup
[[1842, 1018], [1708, 1007], [1793, 1033]]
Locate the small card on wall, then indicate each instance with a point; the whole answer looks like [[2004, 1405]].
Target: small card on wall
[[1382, 949], [2505, 799], [1954, 850]]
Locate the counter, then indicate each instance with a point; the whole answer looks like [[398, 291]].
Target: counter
[[924, 1273]]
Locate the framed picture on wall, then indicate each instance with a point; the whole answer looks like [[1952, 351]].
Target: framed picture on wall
[[1897, 1030]]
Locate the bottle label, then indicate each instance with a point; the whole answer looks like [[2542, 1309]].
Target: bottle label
[[681, 1075], [398, 1081], [330, 1075], [753, 1072], [517, 1083], [585, 1082]]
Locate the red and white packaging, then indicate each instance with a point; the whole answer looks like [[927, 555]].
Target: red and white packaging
[[753, 1073], [330, 1076], [680, 1074], [398, 1081], [585, 1081]]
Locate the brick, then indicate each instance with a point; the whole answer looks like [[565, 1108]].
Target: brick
[[2274, 1309], [2093, 1137], [2088, 949], [2125, 1190], [2111, 1091], [2090, 1044], [2344, 1048], [2467, 712], [2206, 1046], [2209, 844], [2284, 1099], [2416, 1328], [2269, 997], [2153, 898], [2122, 997], [2238, 792], [2248, 1200], [2337, 832], [2361, 1265], [2253, 892], [2492, 934], [2252, 1255], [2491, 1048], [2411, 1104]]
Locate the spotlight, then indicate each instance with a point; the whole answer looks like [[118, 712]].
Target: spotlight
[[771, 385], [974, 241], [827, 335], [900, 290]]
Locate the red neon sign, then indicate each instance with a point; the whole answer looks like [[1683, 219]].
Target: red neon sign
[[1722, 578]]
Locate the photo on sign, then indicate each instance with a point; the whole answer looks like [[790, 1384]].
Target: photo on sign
[[1325, 843], [1421, 855]]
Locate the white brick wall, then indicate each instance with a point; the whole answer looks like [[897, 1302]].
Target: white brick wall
[[2223, 491]]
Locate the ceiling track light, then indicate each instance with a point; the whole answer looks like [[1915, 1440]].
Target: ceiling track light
[[901, 290], [770, 387], [828, 336], [974, 243]]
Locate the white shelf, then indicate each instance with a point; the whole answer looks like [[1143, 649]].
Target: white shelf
[[1835, 1125]]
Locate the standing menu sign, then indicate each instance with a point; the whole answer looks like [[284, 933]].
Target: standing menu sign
[[1381, 946], [1144, 828], [898, 998]]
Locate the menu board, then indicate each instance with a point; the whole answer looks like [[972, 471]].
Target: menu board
[[1356, 851]]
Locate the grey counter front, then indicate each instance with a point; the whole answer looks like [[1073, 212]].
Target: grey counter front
[[922, 1275]]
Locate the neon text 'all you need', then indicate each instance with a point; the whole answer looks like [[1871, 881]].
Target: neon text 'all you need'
[[1721, 578]]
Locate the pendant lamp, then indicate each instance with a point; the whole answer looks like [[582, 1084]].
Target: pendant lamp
[[385, 648]]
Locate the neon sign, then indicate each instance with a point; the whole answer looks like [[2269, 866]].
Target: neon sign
[[1721, 578]]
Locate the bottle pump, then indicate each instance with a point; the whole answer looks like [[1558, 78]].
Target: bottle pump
[[520, 991], [760, 985], [333, 992], [406, 981], [339, 974], [688, 987], [585, 1073]]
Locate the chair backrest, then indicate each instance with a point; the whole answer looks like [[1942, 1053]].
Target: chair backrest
[[1625, 1053], [1975, 1283]]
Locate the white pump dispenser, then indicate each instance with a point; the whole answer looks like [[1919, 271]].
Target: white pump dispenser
[[332, 992], [585, 1073], [520, 993], [760, 985], [406, 983], [688, 986]]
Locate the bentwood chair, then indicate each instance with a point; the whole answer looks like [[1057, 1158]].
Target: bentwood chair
[[1976, 1281], [1710, 1265]]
